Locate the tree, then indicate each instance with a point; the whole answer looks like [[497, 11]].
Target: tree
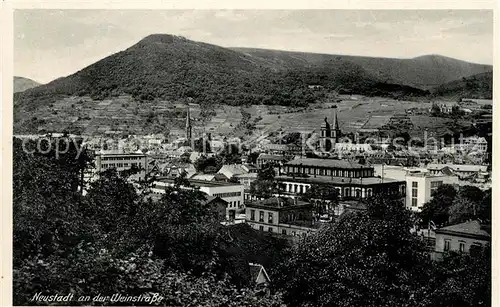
[[435, 110], [252, 157], [265, 186], [436, 209], [114, 240], [326, 194], [363, 259], [470, 203], [202, 145], [266, 173], [460, 280]]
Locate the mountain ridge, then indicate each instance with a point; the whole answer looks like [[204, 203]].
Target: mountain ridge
[[433, 69], [21, 84], [175, 69]]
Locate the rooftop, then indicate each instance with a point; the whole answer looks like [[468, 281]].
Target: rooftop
[[278, 203], [458, 167], [200, 183], [331, 163], [271, 157], [118, 153], [209, 199], [468, 228], [338, 180]]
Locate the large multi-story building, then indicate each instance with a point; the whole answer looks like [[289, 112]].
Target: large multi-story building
[[420, 187], [351, 179], [121, 161], [230, 192]]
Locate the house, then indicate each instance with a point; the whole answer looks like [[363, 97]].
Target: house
[[259, 275], [246, 179], [264, 159], [465, 237], [243, 173], [281, 215], [232, 193], [175, 169], [209, 177], [231, 170], [474, 143], [463, 171], [218, 205], [194, 156], [445, 107], [421, 185], [121, 161]]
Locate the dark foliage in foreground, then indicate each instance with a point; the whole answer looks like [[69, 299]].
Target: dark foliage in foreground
[[112, 240], [371, 259]]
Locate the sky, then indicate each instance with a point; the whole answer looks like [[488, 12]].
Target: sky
[[49, 44]]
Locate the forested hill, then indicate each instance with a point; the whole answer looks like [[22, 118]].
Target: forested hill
[[21, 84], [172, 67], [479, 86], [423, 72]]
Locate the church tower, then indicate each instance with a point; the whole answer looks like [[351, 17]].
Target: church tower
[[189, 128], [335, 132], [325, 133], [330, 134]]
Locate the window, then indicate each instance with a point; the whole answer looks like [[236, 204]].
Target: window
[[261, 216], [462, 247], [270, 217], [446, 245], [435, 185], [414, 193], [261, 228], [475, 248], [368, 192], [270, 229], [252, 215], [283, 231], [238, 203]]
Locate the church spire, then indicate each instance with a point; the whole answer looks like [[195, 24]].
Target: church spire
[[188, 125], [335, 123]]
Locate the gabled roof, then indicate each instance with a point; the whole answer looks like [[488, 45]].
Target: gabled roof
[[471, 228], [210, 199], [447, 171], [256, 270], [232, 170]]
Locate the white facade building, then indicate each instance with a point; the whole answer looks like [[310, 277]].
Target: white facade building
[[232, 193], [121, 161], [420, 186]]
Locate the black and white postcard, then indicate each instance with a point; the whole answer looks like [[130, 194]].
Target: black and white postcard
[[249, 157]]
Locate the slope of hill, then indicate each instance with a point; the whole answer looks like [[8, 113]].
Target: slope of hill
[[172, 67], [21, 84], [424, 72], [163, 69], [478, 86]]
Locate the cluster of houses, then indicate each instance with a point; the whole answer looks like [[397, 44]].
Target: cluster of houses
[[288, 212]]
